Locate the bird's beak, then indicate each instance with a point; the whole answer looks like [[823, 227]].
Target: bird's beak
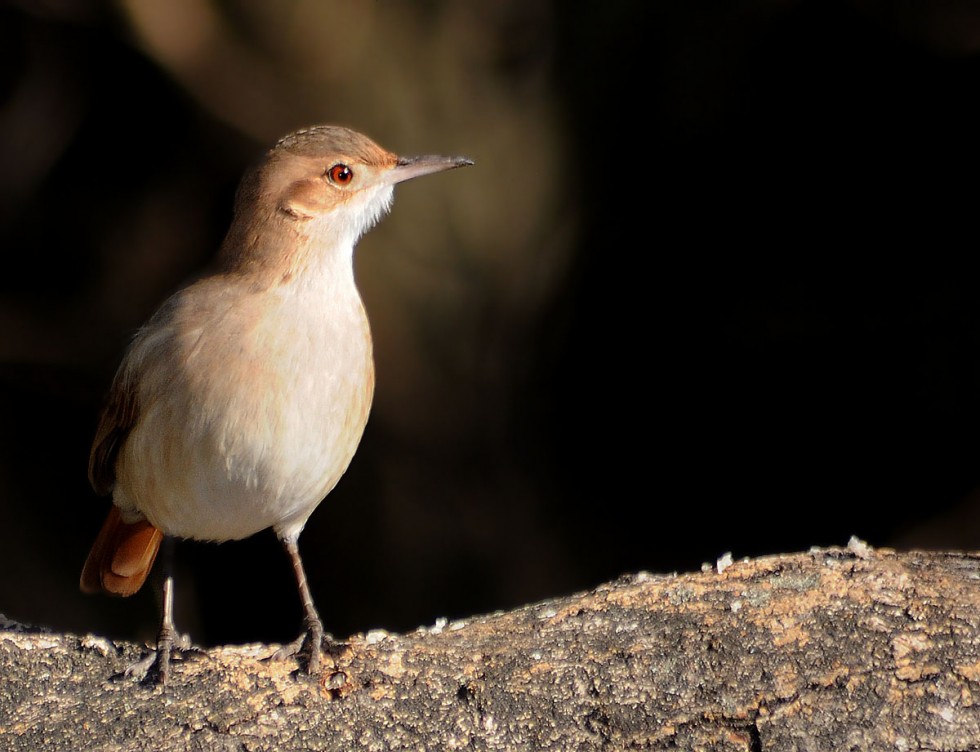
[[407, 168]]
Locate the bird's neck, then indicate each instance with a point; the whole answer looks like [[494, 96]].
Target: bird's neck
[[273, 249]]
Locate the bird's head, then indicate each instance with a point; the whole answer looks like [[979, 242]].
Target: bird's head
[[324, 185]]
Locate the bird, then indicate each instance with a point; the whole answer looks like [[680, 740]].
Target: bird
[[241, 402]]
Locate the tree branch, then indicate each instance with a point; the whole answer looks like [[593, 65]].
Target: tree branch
[[853, 649]]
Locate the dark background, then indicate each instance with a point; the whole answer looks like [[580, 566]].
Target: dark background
[[711, 286]]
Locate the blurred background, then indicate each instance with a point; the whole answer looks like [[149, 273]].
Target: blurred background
[[711, 286]]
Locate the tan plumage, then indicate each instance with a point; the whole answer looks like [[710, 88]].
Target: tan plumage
[[240, 404]]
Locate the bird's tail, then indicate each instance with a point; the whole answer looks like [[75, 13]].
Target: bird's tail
[[121, 557]]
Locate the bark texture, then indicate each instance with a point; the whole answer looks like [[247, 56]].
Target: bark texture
[[835, 649]]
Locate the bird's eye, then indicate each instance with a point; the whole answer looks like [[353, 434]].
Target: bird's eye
[[340, 174]]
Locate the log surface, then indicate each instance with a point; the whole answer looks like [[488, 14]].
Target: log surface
[[834, 649]]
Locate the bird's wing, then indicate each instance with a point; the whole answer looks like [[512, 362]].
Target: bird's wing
[[117, 420]]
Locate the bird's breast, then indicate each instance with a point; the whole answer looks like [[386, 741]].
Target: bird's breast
[[250, 412]]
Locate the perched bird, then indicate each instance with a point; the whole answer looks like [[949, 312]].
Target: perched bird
[[241, 402]]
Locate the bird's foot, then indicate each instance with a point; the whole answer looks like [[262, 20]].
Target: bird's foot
[[155, 666], [310, 643]]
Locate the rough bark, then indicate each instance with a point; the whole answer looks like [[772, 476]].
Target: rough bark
[[835, 649]]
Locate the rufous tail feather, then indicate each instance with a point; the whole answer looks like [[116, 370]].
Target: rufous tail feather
[[121, 557]]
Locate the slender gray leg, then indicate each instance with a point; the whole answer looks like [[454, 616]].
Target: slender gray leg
[[168, 632], [312, 639], [160, 658]]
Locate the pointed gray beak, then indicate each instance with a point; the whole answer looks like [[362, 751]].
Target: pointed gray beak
[[412, 167]]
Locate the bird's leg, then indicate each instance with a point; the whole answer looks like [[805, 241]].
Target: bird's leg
[[312, 638], [168, 635], [168, 632]]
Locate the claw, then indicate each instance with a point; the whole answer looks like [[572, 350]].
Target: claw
[[310, 643], [170, 645]]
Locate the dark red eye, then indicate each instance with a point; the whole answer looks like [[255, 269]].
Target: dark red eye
[[340, 174]]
